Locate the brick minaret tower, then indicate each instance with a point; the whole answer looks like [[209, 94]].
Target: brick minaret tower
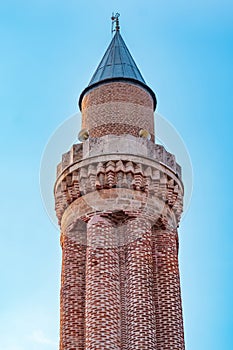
[[119, 201]]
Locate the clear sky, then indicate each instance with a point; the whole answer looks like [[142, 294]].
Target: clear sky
[[49, 50]]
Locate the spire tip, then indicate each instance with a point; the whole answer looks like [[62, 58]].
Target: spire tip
[[115, 21]]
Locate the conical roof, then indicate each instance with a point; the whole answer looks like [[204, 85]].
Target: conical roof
[[117, 64]]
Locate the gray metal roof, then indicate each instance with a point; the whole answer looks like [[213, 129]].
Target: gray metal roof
[[117, 63]]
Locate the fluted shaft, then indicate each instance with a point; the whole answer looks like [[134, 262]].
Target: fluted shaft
[[102, 286], [72, 294], [169, 320], [140, 310]]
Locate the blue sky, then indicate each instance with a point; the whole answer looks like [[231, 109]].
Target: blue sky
[[49, 50]]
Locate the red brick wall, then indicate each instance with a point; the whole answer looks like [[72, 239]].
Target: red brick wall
[[169, 320], [140, 310], [122, 289], [103, 306], [117, 108], [72, 294]]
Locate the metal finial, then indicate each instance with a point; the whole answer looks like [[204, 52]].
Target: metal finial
[[115, 20]]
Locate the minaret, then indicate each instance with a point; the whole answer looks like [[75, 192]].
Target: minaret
[[119, 201]]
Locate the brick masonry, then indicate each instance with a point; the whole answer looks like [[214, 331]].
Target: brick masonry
[[119, 202], [117, 108], [72, 294], [103, 303], [169, 321]]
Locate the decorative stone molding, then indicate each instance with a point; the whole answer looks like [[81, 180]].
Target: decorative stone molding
[[113, 144], [89, 177], [118, 207], [73, 155]]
